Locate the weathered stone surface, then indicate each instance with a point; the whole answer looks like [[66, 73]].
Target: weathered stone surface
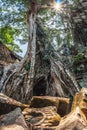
[[73, 121], [43, 101], [13, 121], [80, 99], [42, 117], [7, 56], [78, 16], [61, 104], [8, 104]]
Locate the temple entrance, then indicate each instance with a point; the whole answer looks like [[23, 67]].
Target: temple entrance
[[40, 88]]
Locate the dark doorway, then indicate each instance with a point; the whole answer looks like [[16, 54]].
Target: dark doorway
[[40, 88]]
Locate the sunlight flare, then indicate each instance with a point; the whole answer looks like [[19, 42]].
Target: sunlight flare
[[58, 7]]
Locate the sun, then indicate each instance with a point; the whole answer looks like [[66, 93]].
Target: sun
[[58, 7]]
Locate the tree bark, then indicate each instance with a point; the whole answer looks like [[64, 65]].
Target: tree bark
[[19, 85], [62, 83], [35, 71]]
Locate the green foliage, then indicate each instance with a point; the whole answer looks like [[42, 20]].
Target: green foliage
[[77, 61], [76, 1], [12, 22], [27, 66], [77, 58], [7, 36], [15, 17]]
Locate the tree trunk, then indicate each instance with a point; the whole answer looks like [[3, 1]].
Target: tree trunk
[[36, 74], [19, 85], [62, 83]]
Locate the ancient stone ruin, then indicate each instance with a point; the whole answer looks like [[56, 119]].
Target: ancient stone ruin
[[44, 113]]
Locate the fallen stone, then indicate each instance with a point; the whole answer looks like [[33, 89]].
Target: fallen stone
[[61, 104], [13, 121], [8, 104], [80, 99], [75, 120], [42, 117]]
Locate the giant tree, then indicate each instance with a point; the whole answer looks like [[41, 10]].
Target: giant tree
[[20, 82]]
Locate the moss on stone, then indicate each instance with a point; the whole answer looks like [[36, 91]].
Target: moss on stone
[[43, 101]]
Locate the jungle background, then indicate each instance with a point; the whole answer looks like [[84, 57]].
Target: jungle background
[[45, 86], [55, 63]]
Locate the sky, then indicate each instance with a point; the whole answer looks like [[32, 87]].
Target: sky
[[23, 47], [58, 1]]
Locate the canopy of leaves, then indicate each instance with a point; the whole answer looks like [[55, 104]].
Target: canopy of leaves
[[13, 23]]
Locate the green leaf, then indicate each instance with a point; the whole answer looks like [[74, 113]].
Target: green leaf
[[27, 66]]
